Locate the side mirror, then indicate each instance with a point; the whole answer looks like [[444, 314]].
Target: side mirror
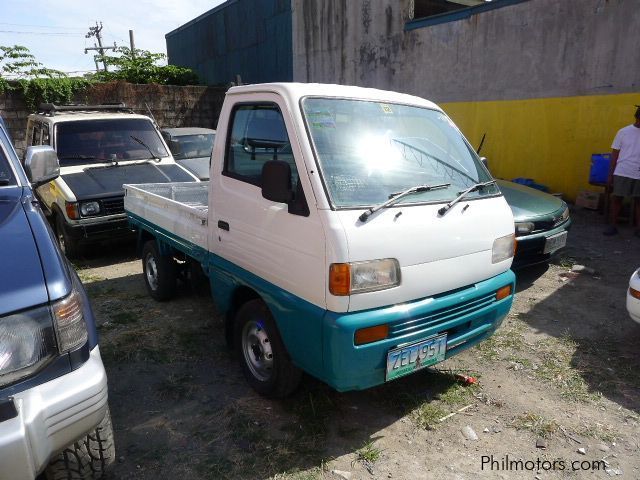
[[485, 162], [41, 165], [276, 181]]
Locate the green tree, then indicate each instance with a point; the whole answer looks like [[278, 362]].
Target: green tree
[[19, 70], [142, 66]]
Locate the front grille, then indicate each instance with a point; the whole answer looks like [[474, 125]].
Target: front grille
[[441, 316], [113, 206]]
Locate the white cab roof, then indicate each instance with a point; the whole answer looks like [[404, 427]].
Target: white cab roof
[[84, 115], [295, 91]]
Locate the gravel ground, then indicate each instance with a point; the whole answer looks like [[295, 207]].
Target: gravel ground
[[558, 391]]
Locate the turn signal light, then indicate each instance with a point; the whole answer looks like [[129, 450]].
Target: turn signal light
[[503, 292], [371, 334], [634, 293], [340, 279], [72, 210]]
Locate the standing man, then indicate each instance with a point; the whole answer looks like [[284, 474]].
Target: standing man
[[624, 173]]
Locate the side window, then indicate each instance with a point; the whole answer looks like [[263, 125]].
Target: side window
[[46, 139], [35, 135], [257, 135]]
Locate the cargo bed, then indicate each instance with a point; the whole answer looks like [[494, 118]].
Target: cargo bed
[[180, 209]]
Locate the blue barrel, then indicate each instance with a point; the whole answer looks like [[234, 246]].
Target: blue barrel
[[599, 167]]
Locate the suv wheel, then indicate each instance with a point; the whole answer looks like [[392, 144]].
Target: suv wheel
[[88, 457], [159, 272], [69, 247]]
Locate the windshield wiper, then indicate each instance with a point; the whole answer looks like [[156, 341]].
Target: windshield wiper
[[153, 155], [461, 195], [396, 197]]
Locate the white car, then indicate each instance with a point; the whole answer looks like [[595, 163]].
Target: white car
[[633, 296]]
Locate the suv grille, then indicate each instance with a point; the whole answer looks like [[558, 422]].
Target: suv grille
[[113, 206]]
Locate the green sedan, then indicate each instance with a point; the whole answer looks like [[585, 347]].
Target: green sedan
[[542, 222]]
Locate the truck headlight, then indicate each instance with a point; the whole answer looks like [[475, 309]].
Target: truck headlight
[[360, 277], [522, 228], [88, 209], [503, 248], [27, 342]]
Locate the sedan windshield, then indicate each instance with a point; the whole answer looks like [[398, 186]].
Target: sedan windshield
[[86, 141], [369, 151]]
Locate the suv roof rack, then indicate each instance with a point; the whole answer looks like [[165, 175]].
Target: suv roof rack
[[52, 108]]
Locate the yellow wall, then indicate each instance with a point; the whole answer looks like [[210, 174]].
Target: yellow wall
[[548, 139]]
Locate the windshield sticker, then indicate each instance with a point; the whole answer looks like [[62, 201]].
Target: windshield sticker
[[386, 108], [321, 120]]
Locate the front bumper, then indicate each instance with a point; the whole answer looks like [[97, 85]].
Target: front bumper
[[531, 247], [468, 316], [99, 231], [50, 417]]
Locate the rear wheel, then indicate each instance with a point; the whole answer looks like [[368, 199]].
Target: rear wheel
[[159, 272], [87, 458], [265, 362], [70, 247]]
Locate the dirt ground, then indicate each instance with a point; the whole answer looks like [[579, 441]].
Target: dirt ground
[[558, 391]]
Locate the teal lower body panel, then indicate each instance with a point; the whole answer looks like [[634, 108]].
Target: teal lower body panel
[[468, 316], [321, 342]]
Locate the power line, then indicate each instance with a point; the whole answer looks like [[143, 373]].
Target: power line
[[40, 26], [61, 34]]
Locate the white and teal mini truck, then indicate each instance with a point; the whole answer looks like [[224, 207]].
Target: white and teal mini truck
[[349, 233]]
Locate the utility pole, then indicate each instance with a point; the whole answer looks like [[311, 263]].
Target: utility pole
[[95, 32], [133, 45]]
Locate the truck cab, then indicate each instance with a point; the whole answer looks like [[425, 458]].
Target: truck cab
[[54, 416], [99, 147], [349, 233]]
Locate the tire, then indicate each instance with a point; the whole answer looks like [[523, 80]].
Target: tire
[[70, 247], [88, 457], [159, 271], [265, 362]]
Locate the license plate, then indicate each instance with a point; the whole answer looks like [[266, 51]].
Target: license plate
[[555, 243], [407, 359]]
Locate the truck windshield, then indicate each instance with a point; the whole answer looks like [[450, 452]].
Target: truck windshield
[[86, 141], [368, 151]]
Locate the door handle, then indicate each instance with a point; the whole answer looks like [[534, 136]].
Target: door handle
[[223, 225]]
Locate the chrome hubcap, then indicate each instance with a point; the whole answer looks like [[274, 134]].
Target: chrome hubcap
[[152, 272], [256, 348]]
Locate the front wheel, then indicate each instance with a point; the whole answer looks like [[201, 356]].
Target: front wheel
[[265, 361], [159, 272], [70, 247], [88, 457]]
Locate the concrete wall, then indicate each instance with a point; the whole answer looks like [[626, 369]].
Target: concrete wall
[[549, 81], [250, 38], [172, 106]]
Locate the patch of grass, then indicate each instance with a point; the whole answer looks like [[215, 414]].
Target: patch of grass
[[315, 473], [368, 453], [215, 467], [508, 338], [457, 394], [176, 386], [427, 415], [536, 424], [597, 431], [124, 318], [87, 277]]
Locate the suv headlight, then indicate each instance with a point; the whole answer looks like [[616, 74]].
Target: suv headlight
[[88, 209], [360, 277], [503, 248], [27, 341]]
